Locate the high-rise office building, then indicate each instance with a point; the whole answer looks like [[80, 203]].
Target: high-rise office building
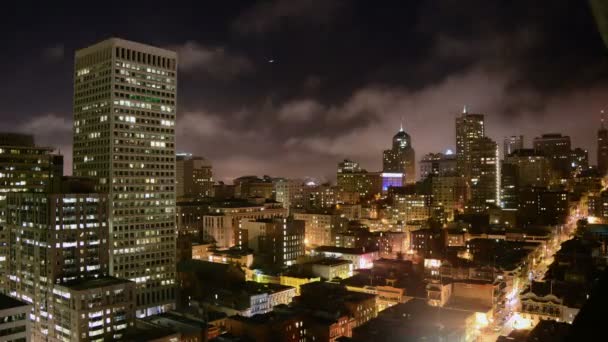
[[485, 174], [602, 149], [60, 239], [24, 167], [193, 177], [401, 158], [125, 97], [556, 148], [438, 164], [351, 178], [512, 144], [469, 127]]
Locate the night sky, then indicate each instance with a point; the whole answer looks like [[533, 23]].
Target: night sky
[[291, 87]]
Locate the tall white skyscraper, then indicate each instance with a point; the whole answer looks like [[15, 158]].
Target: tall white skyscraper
[[124, 134]]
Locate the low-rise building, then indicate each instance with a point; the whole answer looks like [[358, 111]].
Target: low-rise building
[[360, 257], [330, 268], [558, 301]]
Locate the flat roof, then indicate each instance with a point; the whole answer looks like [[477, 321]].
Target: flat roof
[[343, 250], [330, 262], [7, 302], [91, 283]]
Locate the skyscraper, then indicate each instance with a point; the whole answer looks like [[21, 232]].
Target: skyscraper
[[401, 158], [124, 117], [59, 240], [556, 148], [469, 127], [485, 174], [512, 144], [24, 167], [193, 178], [602, 148]]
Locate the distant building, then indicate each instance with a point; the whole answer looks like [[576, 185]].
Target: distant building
[[14, 320], [253, 186], [401, 158], [449, 191], [512, 144], [556, 148], [286, 190], [469, 128], [485, 174], [278, 241], [221, 224], [360, 257], [193, 176], [352, 179], [438, 164], [330, 268], [602, 149], [550, 300], [321, 226]]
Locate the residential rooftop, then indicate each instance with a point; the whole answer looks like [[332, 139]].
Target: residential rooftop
[[83, 284]]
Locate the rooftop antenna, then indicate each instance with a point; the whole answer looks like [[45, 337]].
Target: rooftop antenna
[[464, 110], [602, 118]]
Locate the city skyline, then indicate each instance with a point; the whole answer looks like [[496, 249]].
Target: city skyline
[[260, 94]]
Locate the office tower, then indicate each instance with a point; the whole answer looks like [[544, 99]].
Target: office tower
[[449, 191], [602, 149], [556, 148], [221, 224], [438, 164], [286, 190], [579, 160], [485, 174], [24, 167], [253, 186], [321, 226], [401, 158], [532, 168], [278, 242], [59, 238], [124, 134], [351, 178], [193, 176], [469, 127], [512, 144]]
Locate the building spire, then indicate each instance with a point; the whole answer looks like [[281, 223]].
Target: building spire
[[401, 127], [602, 118], [464, 110]]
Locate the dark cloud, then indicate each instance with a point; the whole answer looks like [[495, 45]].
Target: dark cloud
[[271, 15], [215, 61], [54, 53]]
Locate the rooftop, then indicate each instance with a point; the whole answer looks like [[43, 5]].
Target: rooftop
[[330, 262], [92, 283], [7, 302], [342, 250]]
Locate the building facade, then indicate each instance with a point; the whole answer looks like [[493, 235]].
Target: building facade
[[193, 176], [512, 144], [125, 97], [401, 158], [24, 167], [279, 240], [485, 174], [602, 149], [14, 320], [438, 164], [469, 128]]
